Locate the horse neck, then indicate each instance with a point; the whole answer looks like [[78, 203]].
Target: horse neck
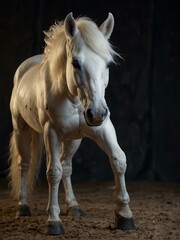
[[55, 81]]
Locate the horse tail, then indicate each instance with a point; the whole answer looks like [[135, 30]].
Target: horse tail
[[35, 163], [14, 173]]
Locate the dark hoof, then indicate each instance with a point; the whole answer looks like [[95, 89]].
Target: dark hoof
[[23, 211], [124, 223], [75, 212], [54, 228]]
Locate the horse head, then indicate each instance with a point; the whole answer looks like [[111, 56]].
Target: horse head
[[88, 58]]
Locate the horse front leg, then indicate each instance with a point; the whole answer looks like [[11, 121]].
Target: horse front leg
[[54, 175], [68, 150], [107, 140]]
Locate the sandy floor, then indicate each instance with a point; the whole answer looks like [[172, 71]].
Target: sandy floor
[[156, 209]]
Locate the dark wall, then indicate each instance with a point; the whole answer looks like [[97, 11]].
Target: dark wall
[[166, 91], [143, 93]]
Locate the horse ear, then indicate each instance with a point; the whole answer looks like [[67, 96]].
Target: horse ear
[[107, 26], [70, 26]]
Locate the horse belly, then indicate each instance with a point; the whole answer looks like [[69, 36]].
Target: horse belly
[[30, 115]]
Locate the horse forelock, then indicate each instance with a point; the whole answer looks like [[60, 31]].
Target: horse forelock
[[55, 40], [55, 49], [94, 38]]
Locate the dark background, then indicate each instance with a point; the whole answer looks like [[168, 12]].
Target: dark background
[[144, 90]]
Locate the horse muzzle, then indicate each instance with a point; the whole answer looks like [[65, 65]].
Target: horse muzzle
[[95, 117]]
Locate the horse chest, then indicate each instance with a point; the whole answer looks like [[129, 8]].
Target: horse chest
[[67, 119]]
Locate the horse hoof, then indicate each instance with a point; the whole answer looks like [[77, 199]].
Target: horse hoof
[[75, 212], [23, 211], [54, 228], [124, 223]]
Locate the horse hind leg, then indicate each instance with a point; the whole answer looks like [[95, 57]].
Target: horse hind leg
[[68, 150], [20, 161]]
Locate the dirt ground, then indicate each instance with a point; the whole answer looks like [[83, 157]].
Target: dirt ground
[[156, 209]]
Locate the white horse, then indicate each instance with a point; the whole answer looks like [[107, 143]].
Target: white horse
[[58, 97]]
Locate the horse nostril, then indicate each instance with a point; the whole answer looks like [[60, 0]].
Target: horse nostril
[[89, 113]]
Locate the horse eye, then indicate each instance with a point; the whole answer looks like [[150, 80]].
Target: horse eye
[[76, 64]]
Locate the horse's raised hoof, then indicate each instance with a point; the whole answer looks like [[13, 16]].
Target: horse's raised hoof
[[124, 223], [75, 212], [54, 228], [23, 211]]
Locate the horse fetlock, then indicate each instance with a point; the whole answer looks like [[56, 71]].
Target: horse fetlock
[[53, 213], [23, 197], [75, 211], [124, 211], [71, 202], [122, 199]]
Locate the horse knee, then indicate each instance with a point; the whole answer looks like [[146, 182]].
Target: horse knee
[[54, 174], [118, 162], [67, 169]]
